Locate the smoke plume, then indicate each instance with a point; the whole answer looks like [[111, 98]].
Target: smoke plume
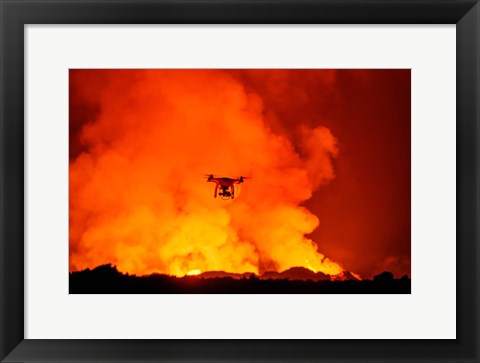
[[137, 197]]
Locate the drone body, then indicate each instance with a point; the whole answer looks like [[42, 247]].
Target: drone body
[[226, 185]]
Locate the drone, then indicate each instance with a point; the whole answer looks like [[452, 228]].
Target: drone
[[226, 185]]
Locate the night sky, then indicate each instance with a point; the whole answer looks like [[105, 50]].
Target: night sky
[[328, 152]]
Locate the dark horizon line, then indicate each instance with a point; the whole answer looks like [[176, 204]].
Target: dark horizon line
[[240, 275]]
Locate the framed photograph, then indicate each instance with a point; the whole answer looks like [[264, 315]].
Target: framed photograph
[[239, 181], [143, 218]]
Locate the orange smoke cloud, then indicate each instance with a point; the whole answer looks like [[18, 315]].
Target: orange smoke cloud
[[137, 199]]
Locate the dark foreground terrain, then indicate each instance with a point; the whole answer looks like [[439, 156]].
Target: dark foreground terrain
[[107, 280]]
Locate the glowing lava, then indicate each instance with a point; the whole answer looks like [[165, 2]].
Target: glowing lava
[[194, 272], [136, 197]]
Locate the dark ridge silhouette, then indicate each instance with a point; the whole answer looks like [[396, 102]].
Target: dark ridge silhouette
[[221, 274], [106, 279], [295, 273], [384, 277]]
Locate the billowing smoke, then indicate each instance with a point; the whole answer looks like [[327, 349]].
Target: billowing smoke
[[137, 197]]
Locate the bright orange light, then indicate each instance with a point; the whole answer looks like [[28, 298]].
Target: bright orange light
[[137, 199], [194, 272]]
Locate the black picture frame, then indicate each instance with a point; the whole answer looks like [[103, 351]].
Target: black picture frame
[[16, 13]]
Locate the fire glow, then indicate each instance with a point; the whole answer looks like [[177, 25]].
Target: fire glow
[[137, 199]]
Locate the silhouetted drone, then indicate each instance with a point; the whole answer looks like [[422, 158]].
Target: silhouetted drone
[[226, 185]]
